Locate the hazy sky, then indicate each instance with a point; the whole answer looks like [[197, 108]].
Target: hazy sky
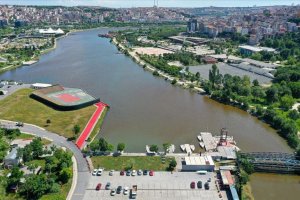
[[148, 3]]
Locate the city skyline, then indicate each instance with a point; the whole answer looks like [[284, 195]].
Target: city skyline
[[149, 3]]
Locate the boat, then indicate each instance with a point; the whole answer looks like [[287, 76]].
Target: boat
[[201, 144], [199, 138], [192, 147], [182, 147]]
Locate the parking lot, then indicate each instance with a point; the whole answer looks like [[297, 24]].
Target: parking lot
[[163, 185]]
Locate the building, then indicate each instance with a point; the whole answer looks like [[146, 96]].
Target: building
[[11, 159], [197, 163], [50, 31], [40, 85], [209, 60], [249, 50], [192, 26], [226, 178]]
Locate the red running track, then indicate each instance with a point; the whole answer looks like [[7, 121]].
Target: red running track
[[90, 125]]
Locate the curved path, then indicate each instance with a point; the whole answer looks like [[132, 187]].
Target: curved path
[[83, 174]]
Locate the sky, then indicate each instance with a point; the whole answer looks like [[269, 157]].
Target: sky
[[149, 3]]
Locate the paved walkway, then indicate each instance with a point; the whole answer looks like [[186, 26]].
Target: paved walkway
[[83, 174], [90, 125]]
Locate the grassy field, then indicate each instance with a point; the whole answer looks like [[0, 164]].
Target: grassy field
[[25, 136], [20, 107], [137, 162]]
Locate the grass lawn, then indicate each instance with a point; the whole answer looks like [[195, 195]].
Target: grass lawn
[[36, 163], [25, 136], [20, 107], [137, 162]]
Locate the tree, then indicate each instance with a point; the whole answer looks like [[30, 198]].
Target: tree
[[174, 81], [293, 114], [35, 186], [166, 146], [103, 145], [76, 129], [255, 82], [121, 147], [110, 147], [48, 121], [258, 92], [65, 174], [172, 165], [36, 147], [272, 94], [154, 148], [286, 102], [14, 178], [214, 75]]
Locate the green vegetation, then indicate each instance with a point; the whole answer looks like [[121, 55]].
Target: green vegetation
[[131, 162], [53, 180], [154, 148], [20, 107], [245, 168], [101, 145], [172, 165], [121, 147], [273, 104], [288, 46]]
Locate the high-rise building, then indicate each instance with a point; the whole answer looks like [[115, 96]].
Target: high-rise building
[[192, 26]]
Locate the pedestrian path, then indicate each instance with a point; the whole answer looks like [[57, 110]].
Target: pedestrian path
[[90, 125]]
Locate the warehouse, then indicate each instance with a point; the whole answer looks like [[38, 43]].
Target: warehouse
[[197, 163]]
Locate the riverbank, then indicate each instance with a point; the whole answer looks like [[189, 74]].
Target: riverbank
[[183, 83]]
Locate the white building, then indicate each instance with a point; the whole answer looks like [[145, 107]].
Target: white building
[[40, 85], [50, 31], [197, 163]]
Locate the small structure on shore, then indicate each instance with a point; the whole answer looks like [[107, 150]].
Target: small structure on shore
[[188, 148]]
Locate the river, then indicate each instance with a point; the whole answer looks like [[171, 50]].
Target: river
[[144, 109]]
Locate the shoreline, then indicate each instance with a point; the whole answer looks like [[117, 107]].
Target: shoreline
[[45, 51], [184, 84]]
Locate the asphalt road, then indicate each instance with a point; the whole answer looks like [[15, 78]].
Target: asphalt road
[[83, 176]]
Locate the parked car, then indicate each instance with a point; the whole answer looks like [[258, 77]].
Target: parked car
[[107, 186], [151, 173], [193, 185], [209, 180], [139, 172], [128, 172], [99, 172], [119, 189], [126, 190], [94, 173], [145, 172], [206, 186], [111, 172], [98, 187], [199, 184], [20, 124], [133, 173], [122, 173], [113, 192]]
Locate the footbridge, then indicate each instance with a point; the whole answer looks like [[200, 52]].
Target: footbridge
[[274, 162]]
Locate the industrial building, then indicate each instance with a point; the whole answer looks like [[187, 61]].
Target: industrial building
[[249, 50], [197, 163]]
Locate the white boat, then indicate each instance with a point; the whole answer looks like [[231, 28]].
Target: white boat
[[201, 144], [199, 138], [192, 147], [182, 147]]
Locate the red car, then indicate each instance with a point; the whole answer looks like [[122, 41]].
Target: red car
[[98, 187], [193, 184], [151, 173], [122, 173]]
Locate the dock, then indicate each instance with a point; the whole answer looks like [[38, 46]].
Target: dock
[[210, 142]]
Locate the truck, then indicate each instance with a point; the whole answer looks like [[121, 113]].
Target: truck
[[133, 192]]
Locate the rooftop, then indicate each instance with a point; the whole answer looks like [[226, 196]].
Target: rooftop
[[199, 160]]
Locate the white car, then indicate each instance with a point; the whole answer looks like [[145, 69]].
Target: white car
[[113, 192], [94, 173], [139, 172], [126, 190], [133, 173], [99, 172], [111, 172]]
